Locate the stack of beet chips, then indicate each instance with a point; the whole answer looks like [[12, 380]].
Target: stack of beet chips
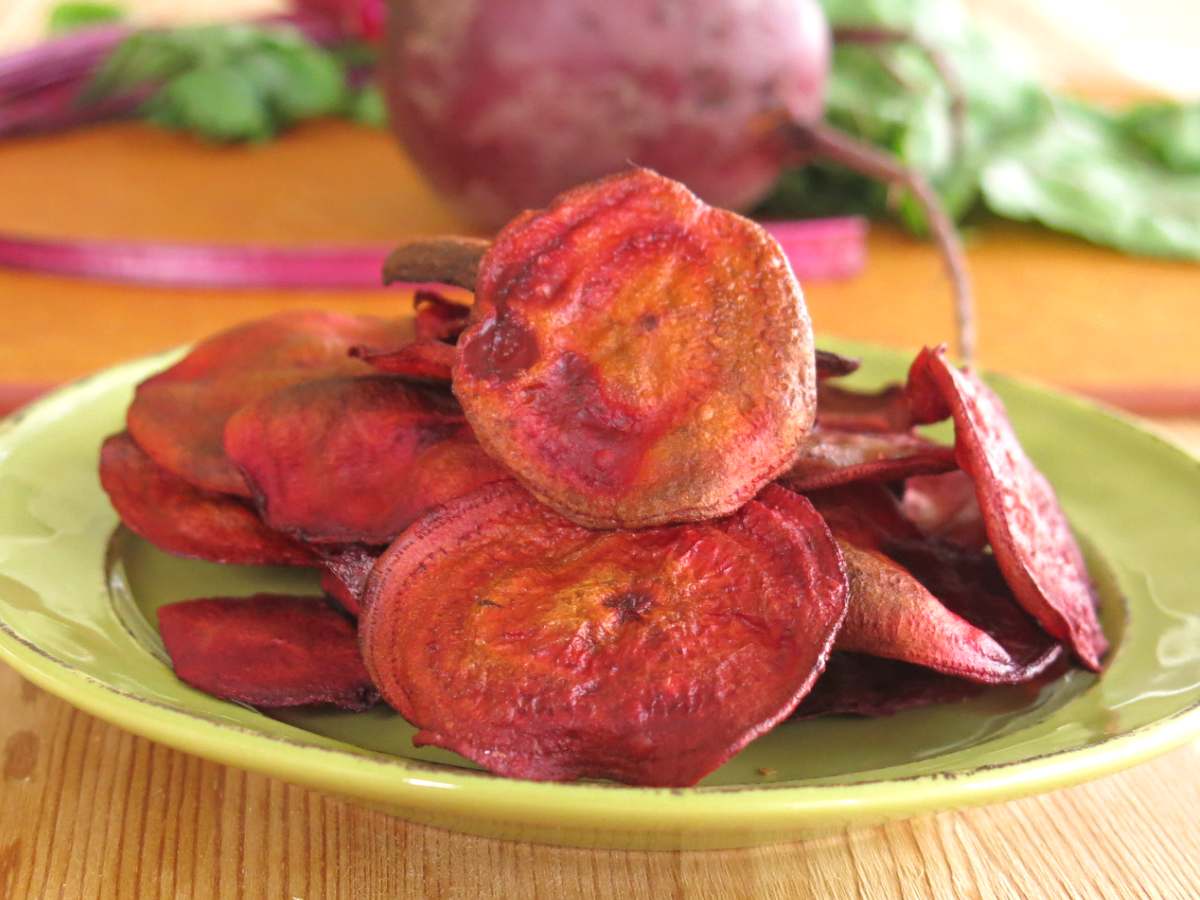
[[614, 520]]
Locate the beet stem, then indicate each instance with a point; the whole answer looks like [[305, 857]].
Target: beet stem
[[820, 140], [445, 260], [874, 36]]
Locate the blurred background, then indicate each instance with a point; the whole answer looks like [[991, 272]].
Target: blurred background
[[1063, 138]]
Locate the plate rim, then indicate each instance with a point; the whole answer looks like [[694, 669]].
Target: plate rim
[[406, 784]]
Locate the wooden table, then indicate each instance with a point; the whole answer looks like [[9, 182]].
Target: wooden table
[[89, 810]]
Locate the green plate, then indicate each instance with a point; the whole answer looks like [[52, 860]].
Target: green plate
[[78, 594]]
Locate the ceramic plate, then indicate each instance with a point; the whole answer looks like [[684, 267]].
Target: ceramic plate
[[78, 594]]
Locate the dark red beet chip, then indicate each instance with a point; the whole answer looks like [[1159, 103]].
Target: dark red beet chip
[[944, 507], [267, 650], [178, 416], [865, 513], [830, 457], [842, 409], [636, 357], [1026, 526], [832, 365], [344, 573], [857, 685], [424, 361], [439, 319], [541, 649], [185, 521], [355, 459]]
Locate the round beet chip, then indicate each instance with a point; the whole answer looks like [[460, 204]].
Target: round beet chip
[[178, 416], [543, 650], [636, 357], [186, 521], [268, 650], [1026, 526], [355, 459]]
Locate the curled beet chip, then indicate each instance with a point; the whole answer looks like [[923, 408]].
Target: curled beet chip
[[833, 365], [424, 361], [829, 457], [857, 685], [842, 409], [267, 650], [355, 459], [636, 357], [186, 521], [439, 319], [945, 507], [1026, 526], [865, 513], [178, 416], [344, 571], [543, 650]]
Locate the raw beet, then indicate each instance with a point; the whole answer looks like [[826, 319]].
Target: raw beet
[[829, 457], [1026, 526], [186, 521], [424, 361], [178, 416], [355, 459], [637, 358], [543, 650], [267, 650], [505, 105]]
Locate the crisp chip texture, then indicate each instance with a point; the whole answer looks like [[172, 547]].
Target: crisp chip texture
[[355, 459], [829, 457], [425, 361], [186, 521], [543, 650], [978, 632], [344, 573], [268, 650], [1026, 526], [437, 318], [945, 507], [178, 416], [636, 357], [859, 685]]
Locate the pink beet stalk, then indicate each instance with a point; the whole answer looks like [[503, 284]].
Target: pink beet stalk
[[823, 249]]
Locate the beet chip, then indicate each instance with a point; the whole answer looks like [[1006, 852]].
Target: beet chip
[[891, 614], [833, 365], [857, 685], [355, 459], [841, 409], [1028, 532], [180, 519], [944, 507], [636, 357], [864, 513], [543, 650], [267, 650], [439, 319], [178, 416], [423, 361], [829, 457], [344, 573]]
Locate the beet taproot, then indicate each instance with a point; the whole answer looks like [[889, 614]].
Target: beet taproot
[[355, 459], [178, 416], [544, 650], [1026, 527], [268, 650], [503, 106], [183, 520], [637, 358], [829, 457]]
